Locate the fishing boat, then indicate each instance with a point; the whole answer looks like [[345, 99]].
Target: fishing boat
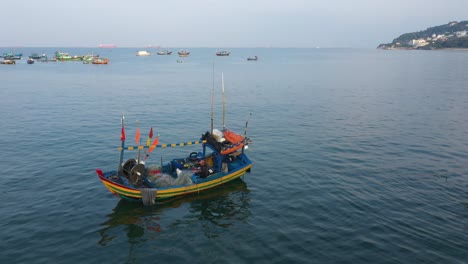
[[44, 58], [164, 52], [62, 56], [223, 53], [8, 56], [8, 62], [254, 58], [183, 53], [30, 61], [143, 53], [76, 58], [222, 159], [35, 56], [11, 56], [88, 58], [99, 60]]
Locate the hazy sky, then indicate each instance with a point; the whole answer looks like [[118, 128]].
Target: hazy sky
[[219, 23]]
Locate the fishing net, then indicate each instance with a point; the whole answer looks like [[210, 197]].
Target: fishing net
[[159, 179]]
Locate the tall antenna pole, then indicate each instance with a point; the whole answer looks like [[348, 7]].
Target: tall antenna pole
[[122, 138], [212, 101], [245, 133], [224, 103], [138, 141]]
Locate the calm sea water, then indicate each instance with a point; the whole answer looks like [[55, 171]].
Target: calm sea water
[[360, 156]]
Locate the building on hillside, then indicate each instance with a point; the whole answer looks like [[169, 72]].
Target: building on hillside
[[418, 43]]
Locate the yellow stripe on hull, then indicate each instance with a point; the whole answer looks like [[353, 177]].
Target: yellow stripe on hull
[[171, 192]]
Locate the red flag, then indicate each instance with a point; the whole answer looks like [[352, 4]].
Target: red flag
[[148, 141], [122, 133], [137, 136], [155, 142]]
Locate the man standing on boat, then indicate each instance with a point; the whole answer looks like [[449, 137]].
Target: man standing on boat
[[204, 172]]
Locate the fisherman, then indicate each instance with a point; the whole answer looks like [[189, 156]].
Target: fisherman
[[204, 172]]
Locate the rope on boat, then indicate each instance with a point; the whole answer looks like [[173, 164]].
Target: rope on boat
[[183, 144]]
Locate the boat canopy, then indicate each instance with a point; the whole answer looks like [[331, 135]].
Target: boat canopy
[[232, 137]]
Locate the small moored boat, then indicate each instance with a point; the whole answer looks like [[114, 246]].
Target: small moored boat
[[30, 61], [44, 58], [143, 53], [88, 58], [223, 53], [35, 56], [254, 58], [11, 56], [164, 52], [62, 56], [8, 62], [183, 53], [99, 60]]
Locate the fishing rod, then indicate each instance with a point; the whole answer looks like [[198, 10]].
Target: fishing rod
[[246, 123], [245, 133], [212, 101], [122, 146], [224, 103]]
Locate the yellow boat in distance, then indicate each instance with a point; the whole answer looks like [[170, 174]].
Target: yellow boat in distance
[[183, 53], [221, 160]]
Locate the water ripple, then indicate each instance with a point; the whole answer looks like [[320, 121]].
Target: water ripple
[[366, 164]]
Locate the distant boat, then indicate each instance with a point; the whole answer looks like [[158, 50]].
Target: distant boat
[[30, 61], [8, 62], [8, 56], [35, 56], [100, 60], [88, 58], [76, 58], [18, 56], [107, 46], [223, 53], [183, 53], [254, 58], [152, 46], [44, 58], [62, 56], [11, 56], [164, 52], [143, 53]]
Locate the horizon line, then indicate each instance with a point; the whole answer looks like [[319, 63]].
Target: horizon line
[[186, 47]]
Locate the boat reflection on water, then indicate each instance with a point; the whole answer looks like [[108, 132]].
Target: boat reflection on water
[[220, 206]]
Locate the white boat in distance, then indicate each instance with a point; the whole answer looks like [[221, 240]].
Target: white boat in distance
[[143, 53]]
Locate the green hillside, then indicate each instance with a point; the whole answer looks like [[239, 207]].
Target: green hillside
[[451, 35]]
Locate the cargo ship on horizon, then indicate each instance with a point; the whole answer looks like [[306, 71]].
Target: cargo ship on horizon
[[107, 46]]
